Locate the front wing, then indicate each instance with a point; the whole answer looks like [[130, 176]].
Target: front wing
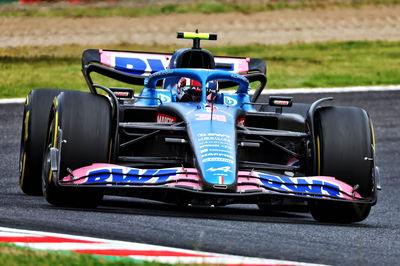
[[249, 183]]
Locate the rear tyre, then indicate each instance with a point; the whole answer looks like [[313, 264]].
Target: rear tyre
[[345, 142], [33, 137], [83, 122]]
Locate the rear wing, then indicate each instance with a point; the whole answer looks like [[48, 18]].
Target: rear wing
[[134, 67]]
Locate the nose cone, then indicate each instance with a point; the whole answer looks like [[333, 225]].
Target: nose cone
[[217, 158], [213, 141]]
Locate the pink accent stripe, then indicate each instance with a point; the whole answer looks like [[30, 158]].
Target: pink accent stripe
[[39, 239], [127, 252]]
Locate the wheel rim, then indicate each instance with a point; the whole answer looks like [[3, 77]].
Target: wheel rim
[[46, 169], [22, 152]]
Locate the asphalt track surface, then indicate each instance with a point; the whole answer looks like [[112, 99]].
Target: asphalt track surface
[[238, 229]]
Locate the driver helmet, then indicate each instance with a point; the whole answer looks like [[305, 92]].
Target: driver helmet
[[189, 90]]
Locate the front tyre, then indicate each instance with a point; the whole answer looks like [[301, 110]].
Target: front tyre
[[345, 150], [33, 137], [80, 130]]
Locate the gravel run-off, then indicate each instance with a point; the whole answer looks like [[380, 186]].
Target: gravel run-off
[[270, 27]]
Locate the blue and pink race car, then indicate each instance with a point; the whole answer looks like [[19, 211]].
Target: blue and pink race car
[[186, 139]]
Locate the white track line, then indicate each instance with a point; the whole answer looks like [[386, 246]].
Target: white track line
[[14, 100], [284, 91], [96, 246]]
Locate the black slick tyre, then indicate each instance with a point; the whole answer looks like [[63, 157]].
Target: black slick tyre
[[344, 140], [79, 128], [33, 137]]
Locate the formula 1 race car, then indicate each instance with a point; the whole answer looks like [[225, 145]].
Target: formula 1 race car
[[186, 140]]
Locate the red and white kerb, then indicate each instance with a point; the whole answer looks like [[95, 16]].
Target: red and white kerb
[[121, 249]]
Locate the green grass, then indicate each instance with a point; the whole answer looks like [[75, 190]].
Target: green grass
[[207, 7], [11, 255], [289, 66]]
